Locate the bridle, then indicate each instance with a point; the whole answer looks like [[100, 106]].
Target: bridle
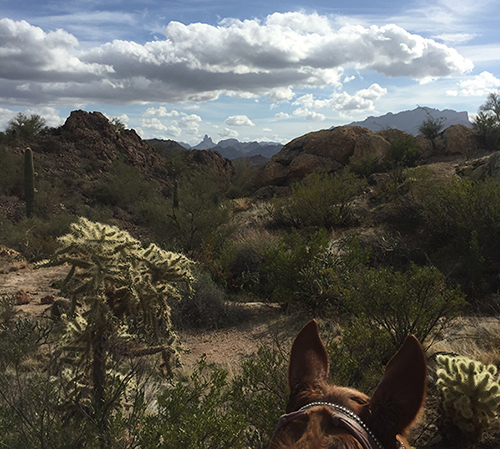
[[342, 417]]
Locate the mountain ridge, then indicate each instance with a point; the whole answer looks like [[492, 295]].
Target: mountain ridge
[[411, 120]]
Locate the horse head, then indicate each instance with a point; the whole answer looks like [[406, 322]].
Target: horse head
[[321, 415]]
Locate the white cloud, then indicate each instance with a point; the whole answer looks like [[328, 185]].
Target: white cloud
[[159, 112], [282, 115], [227, 133], [281, 94], [153, 123], [455, 38], [239, 120], [479, 85], [342, 101], [309, 115], [199, 62]]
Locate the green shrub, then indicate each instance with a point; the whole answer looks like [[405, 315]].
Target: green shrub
[[358, 356], [404, 152], [320, 200], [260, 392], [35, 238], [125, 187], [487, 122], [366, 165], [417, 301], [208, 308], [461, 225], [22, 127], [11, 173], [431, 127], [202, 215], [305, 270], [488, 130], [198, 412]]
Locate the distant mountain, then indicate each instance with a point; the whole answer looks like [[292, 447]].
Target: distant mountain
[[410, 121], [234, 149]]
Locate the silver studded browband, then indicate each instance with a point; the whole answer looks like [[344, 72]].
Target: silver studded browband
[[352, 422]]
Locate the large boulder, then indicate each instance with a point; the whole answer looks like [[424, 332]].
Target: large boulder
[[458, 139], [327, 150]]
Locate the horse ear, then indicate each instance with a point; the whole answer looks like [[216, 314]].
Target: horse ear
[[401, 392], [308, 360]]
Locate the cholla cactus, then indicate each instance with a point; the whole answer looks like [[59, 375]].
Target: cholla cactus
[[470, 395], [113, 278]]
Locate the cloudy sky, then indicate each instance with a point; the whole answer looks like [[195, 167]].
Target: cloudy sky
[[253, 70]]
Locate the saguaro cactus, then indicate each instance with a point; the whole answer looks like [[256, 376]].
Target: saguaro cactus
[[470, 395], [29, 182]]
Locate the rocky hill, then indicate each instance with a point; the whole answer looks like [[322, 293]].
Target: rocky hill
[[330, 150], [79, 157]]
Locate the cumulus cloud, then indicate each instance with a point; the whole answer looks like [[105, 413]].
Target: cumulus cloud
[[309, 115], [199, 62], [227, 133], [239, 120], [159, 112], [479, 85], [282, 115], [342, 101]]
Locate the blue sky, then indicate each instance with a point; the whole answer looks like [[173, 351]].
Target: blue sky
[[253, 70]]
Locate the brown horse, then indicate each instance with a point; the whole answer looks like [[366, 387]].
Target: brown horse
[[319, 415]]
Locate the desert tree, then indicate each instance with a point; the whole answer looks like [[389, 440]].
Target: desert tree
[[23, 127], [487, 122], [120, 294]]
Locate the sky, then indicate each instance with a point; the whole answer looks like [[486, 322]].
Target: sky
[[252, 70]]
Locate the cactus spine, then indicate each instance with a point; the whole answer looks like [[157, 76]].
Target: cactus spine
[[29, 182], [470, 395]]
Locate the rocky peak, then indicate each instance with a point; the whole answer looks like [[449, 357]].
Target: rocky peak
[[93, 132], [205, 144]]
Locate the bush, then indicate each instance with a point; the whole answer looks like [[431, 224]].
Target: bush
[[487, 122], [404, 152], [320, 200], [461, 223], [198, 212], [488, 130], [11, 173], [209, 308], [198, 412], [22, 127], [417, 301], [307, 271], [260, 392], [35, 238], [358, 356], [431, 127], [125, 187], [366, 165]]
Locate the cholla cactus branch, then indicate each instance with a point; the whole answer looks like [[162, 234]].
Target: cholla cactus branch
[[470, 395]]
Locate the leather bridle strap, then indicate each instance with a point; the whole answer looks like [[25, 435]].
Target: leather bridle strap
[[342, 417]]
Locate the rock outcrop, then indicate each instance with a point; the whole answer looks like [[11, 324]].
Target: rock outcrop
[[330, 150], [326, 150], [93, 132]]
